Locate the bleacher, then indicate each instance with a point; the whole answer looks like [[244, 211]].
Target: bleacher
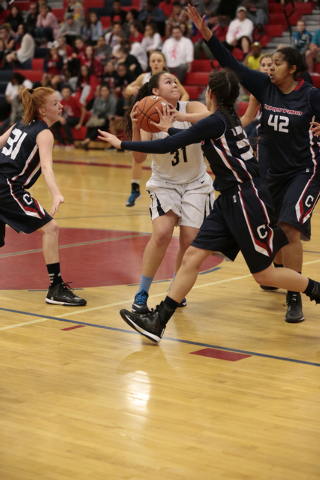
[[195, 81]]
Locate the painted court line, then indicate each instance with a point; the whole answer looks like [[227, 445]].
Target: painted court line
[[187, 342]]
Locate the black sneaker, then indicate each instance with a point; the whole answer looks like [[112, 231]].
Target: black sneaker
[[294, 313], [315, 295], [152, 325], [139, 305], [62, 294], [269, 289], [135, 195], [183, 303]]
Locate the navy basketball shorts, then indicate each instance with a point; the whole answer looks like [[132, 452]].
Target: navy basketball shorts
[[263, 159], [244, 222], [19, 210], [295, 198]]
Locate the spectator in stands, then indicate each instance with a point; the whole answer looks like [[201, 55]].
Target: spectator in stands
[[227, 11], [74, 59], [32, 17], [70, 29], [151, 40], [137, 51], [25, 52], [3, 5], [178, 52], [75, 7], [301, 39], [86, 86], [136, 32], [177, 17], [123, 77], [65, 51], [207, 7], [116, 122], [131, 62], [14, 18], [313, 54], [92, 29], [166, 6], [2, 51], [47, 26], [7, 37], [240, 32], [102, 51], [16, 111], [258, 13], [11, 92], [111, 37], [253, 58], [73, 115], [104, 106], [94, 65], [109, 75], [152, 13], [52, 66], [215, 27], [117, 14]]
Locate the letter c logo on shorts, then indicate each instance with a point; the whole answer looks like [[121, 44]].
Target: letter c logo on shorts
[[261, 233], [309, 201], [28, 200]]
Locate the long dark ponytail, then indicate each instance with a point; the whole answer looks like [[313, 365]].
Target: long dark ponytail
[[145, 91], [224, 84]]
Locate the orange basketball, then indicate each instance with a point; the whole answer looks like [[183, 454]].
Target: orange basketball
[[146, 112]]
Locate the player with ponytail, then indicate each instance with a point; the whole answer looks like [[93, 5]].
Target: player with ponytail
[[26, 152]]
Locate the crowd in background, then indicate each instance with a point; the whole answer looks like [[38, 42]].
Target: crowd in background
[[91, 67]]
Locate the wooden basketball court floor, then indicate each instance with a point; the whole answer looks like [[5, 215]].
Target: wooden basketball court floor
[[231, 392]]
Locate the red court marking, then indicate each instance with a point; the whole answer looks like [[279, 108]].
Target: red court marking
[[220, 354], [72, 328], [113, 262]]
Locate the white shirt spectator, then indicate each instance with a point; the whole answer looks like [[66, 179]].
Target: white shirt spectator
[[152, 43], [26, 51], [12, 90], [178, 52], [141, 55], [238, 29]]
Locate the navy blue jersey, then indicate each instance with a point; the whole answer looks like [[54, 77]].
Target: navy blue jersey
[[19, 158], [226, 148], [285, 117]]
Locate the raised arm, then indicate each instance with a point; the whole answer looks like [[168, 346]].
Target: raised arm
[[250, 112]]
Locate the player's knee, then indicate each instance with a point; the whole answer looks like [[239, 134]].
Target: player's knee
[[162, 237], [262, 278], [191, 258], [53, 228]]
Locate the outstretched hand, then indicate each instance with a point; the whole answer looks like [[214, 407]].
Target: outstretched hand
[[165, 118], [315, 128], [107, 137], [199, 22], [57, 199]]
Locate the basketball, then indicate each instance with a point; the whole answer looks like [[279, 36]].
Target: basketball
[[147, 112]]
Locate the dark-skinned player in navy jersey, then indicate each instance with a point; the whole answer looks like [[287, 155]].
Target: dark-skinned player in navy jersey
[[242, 216], [25, 153], [288, 106]]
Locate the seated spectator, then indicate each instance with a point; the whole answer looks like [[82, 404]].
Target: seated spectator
[[16, 111], [253, 58], [32, 17], [16, 79], [227, 11], [94, 65], [14, 18], [25, 52], [240, 32], [102, 51], [75, 58], [140, 54], [75, 7], [86, 86], [214, 25], [152, 13], [301, 39], [131, 62], [73, 115], [132, 16], [109, 75], [70, 29], [177, 17], [52, 66], [166, 6], [104, 106], [152, 40], [7, 37], [92, 29], [178, 52], [65, 51], [117, 14], [258, 13], [207, 7], [47, 26], [122, 80], [313, 54], [111, 37], [136, 32]]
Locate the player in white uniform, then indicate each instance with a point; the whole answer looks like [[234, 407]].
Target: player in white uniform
[[180, 188], [157, 63]]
